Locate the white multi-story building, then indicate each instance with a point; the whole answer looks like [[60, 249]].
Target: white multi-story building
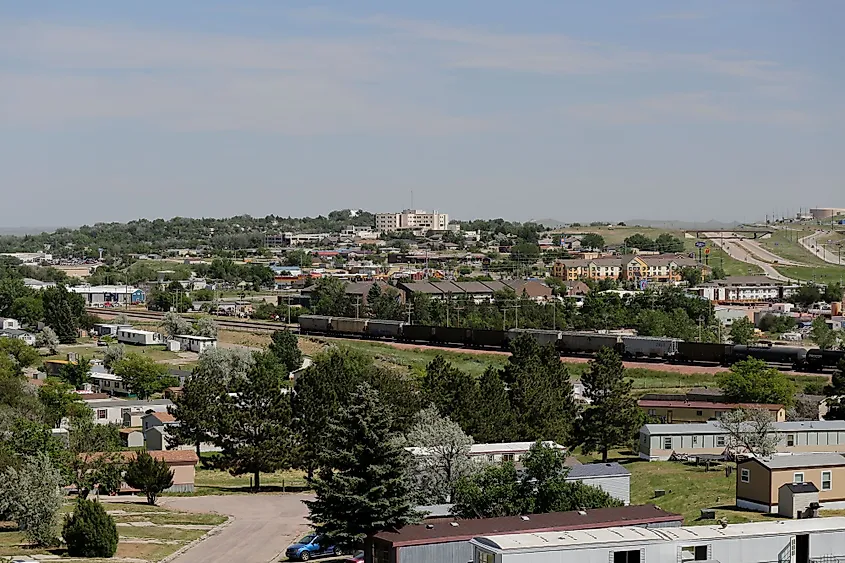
[[412, 219]]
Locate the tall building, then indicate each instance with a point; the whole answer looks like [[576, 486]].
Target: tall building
[[412, 219]]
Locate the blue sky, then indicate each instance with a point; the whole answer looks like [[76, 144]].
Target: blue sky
[[611, 110]]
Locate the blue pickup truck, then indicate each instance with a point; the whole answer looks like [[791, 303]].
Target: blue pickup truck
[[309, 547]]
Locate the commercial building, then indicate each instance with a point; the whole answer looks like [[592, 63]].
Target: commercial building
[[788, 541], [659, 268], [759, 479], [109, 295], [746, 289], [660, 441], [447, 540], [412, 220]]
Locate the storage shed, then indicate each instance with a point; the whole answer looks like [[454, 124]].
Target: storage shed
[[798, 500], [612, 478]]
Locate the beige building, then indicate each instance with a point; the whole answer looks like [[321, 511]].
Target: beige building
[[826, 212], [659, 268], [412, 220], [679, 410], [659, 441], [759, 480]]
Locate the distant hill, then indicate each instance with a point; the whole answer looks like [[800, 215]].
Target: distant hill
[[22, 231], [673, 225]]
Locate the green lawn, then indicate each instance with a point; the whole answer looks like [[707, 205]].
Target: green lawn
[[157, 353], [819, 274], [215, 482]]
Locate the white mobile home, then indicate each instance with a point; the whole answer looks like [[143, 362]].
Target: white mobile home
[[612, 478], [107, 383], [198, 344], [138, 337], [125, 412], [786, 541]]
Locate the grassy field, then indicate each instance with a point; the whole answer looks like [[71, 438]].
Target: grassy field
[[90, 351], [145, 542], [215, 482]]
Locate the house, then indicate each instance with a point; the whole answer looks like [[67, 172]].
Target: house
[[679, 409], [108, 383], [138, 337], [447, 540], [109, 295], [759, 479], [660, 441], [116, 411], [7, 323], [182, 462], [612, 478], [498, 453], [132, 437], [105, 329], [156, 428], [789, 541], [22, 335], [198, 344]]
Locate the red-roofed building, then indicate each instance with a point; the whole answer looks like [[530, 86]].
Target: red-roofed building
[[680, 409]]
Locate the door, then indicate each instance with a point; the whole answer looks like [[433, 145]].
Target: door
[[669, 417], [802, 548]]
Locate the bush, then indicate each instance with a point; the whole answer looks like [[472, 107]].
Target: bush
[[90, 531], [148, 475]]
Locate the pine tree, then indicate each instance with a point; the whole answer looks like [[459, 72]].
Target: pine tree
[[284, 346], [493, 420], [195, 408], [148, 475], [60, 313], [449, 389], [90, 531], [362, 487], [613, 415], [254, 423]]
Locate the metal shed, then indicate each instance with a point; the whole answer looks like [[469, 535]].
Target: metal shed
[[612, 478]]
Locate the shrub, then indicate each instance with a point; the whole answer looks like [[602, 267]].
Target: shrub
[[148, 475], [90, 531]]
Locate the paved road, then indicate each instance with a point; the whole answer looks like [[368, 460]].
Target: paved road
[[737, 251], [263, 526], [815, 244]]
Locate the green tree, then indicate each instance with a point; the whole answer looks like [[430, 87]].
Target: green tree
[[835, 392], [142, 375], [32, 497], [149, 475], [76, 373], [254, 426], [742, 331], [668, 243], [493, 419], [113, 354], [362, 488], [285, 347], [691, 275], [494, 492], [62, 311], [822, 334], [90, 531], [92, 449], [753, 381], [196, 410], [806, 295], [640, 242], [450, 390], [48, 339], [60, 401], [833, 292], [328, 297], [613, 416], [24, 354], [592, 240], [11, 289], [28, 310], [174, 325], [718, 273]]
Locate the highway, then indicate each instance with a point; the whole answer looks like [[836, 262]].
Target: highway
[[750, 254], [815, 243]]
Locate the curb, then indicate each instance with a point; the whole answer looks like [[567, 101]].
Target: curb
[[212, 532]]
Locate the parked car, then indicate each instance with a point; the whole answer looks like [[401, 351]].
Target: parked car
[[357, 557], [310, 547]]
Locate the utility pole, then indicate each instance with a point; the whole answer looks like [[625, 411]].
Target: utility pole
[[410, 308], [357, 306]]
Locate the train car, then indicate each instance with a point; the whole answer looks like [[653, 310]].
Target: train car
[[792, 355], [649, 346], [489, 338], [818, 359], [346, 325], [417, 333], [380, 328], [704, 352], [452, 335], [314, 324], [543, 337], [587, 342]]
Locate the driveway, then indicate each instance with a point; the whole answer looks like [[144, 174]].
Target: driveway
[[263, 526]]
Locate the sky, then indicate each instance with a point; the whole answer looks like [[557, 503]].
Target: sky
[[579, 111]]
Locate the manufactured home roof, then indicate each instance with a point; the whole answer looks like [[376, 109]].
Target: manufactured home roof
[[798, 461], [684, 404], [587, 470], [579, 539], [715, 428], [442, 530], [131, 403], [801, 487]]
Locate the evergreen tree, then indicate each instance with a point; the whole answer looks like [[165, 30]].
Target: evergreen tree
[[362, 488], [254, 423], [62, 311], [143, 375], [284, 346], [613, 416], [373, 296], [90, 531], [493, 420], [149, 475], [196, 410], [451, 390], [76, 373], [540, 391]]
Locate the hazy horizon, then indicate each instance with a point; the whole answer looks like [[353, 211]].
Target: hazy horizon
[[693, 111]]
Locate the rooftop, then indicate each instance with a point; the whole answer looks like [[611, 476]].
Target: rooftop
[[801, 487], [680, 404], [797, 461], [588, 470], [713, 427], [132, 403]]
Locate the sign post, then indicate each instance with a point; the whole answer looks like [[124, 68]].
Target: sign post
[[699, 244]]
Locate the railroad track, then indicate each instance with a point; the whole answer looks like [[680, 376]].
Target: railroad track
[[231, 324]]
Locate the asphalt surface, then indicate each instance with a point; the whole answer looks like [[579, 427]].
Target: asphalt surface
[[735, 249], [815, 243], [263, 527]]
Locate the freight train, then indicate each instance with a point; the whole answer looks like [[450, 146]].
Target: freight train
[[573, 343]]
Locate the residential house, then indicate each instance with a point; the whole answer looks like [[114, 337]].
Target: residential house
[[659, 441], [7, 323], [759, 479], [110, 383], [198, 344], [125, 412], [790, 541], [447, 540], [106, 329], [182, 462], [612, 478], [138, 337], [22, 335], [680, 409], [497, 453]]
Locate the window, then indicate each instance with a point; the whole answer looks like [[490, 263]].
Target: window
[[719, 414], [106, 383], [720, 441], [745, 475], [652, 412], [697, 552], [632, 556], [484, 557], [826, 484], [667, 443], [798, 477], [507, 457], [698, 413], [695, 440], [790, 440], [102, 413]]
